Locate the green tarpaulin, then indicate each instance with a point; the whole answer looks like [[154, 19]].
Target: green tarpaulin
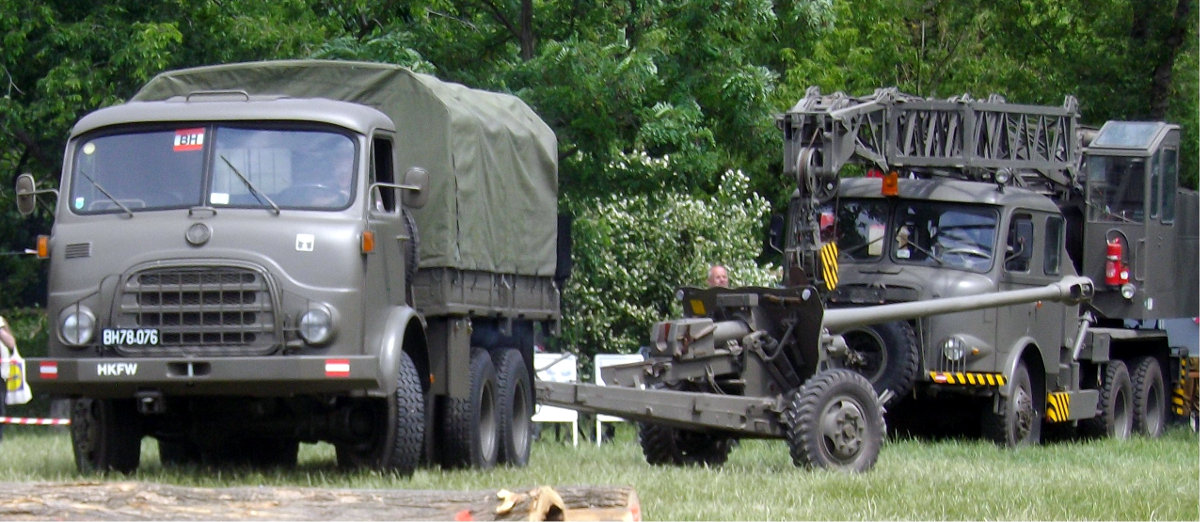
[[492, 162]]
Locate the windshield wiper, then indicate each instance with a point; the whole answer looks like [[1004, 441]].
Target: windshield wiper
[[106, 194], [253, 189]]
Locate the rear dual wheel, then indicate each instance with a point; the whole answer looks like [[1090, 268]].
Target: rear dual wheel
[[1149, 397], [470, 425], [1115, 418], [514, 404]]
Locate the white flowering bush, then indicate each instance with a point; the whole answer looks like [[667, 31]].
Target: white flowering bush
[[632, 253]]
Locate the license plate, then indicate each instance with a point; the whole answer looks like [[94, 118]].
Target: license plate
[[130, 336]]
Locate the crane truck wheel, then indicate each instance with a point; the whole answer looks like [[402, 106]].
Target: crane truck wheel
[[1115, 416], [834, 421], [886, 354], [1016, 419], [515, 407], [106, 435], [469, 428], [1149, 399], [665, 445], [396, 437]]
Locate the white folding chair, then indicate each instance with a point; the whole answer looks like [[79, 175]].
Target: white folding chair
[[557, 367], [609, 359]]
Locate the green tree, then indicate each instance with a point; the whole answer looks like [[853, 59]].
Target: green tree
[[632, 253]]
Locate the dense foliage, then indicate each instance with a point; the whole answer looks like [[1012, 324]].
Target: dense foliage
[[659, 106]]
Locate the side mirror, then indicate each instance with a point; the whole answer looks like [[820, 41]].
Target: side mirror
[[775, 233], [26, 194], [416, 187]]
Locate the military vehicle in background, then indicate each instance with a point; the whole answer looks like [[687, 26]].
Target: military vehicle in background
[[966, 197], [986, 256], [250, 256]]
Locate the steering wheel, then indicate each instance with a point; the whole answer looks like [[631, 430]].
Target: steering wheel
[[969, 251], [313, 193]]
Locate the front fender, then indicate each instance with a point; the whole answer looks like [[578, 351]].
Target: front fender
[[403, 330], [1025, 348]]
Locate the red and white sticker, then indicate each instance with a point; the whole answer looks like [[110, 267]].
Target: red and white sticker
[[337, 367], [189, 139], [48, 370]]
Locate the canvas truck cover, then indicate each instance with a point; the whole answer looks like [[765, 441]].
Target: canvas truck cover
[[492, 162]]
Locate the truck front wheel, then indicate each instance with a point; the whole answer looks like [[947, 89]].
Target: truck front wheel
[[469, 425], [834, 421], [396, 439], [886, 354], [1015, 421], [106, 435]]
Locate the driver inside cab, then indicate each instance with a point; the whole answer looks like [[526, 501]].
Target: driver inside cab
[[320, 180]]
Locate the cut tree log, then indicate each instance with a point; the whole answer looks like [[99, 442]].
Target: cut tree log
[[146, 501]]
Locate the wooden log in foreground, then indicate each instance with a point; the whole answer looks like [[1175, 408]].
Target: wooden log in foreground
[[145, 501]]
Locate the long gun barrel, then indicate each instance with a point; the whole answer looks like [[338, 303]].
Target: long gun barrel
[[1070, 289]]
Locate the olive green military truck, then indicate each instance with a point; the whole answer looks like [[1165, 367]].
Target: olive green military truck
[[246, 257], [967, 197]]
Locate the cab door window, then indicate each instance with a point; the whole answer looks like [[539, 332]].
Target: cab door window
[[1020, 244], [383, 198], [1054, 246]]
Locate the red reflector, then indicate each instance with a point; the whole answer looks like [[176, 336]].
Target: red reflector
[[337, 367], [48, 370]]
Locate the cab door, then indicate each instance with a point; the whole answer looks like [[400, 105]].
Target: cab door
[[1033, 256], [387, 263]]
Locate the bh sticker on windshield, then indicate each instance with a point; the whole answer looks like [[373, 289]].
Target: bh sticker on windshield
[[189, 139]]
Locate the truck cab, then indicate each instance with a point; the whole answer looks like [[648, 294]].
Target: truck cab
[[933, 239], [216, 281]]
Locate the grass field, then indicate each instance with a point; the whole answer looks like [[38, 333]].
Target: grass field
[[1138, 479]]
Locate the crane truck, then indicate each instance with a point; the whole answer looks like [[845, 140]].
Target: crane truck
[[249, 256], [975, 275], [969, 197]]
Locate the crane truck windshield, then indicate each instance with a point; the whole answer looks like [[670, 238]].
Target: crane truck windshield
[[185, 166], [947, 235]]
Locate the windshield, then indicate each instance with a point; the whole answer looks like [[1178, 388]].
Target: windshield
[[916, 232], [944, 234], [1116, 188], [221, 166]]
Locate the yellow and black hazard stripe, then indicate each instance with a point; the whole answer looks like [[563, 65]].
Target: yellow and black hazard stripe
[[968, 378], [1058, 407], [1184, 398], [829, 265]]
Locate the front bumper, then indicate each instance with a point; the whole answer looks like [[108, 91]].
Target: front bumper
[[272, 376]]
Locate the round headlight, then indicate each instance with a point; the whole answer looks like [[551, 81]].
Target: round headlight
[[77, 326], [316, 326], [954, 348], [1003, 176], [1127, 290]]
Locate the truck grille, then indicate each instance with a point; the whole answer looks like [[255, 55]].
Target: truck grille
[[199, 311]]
